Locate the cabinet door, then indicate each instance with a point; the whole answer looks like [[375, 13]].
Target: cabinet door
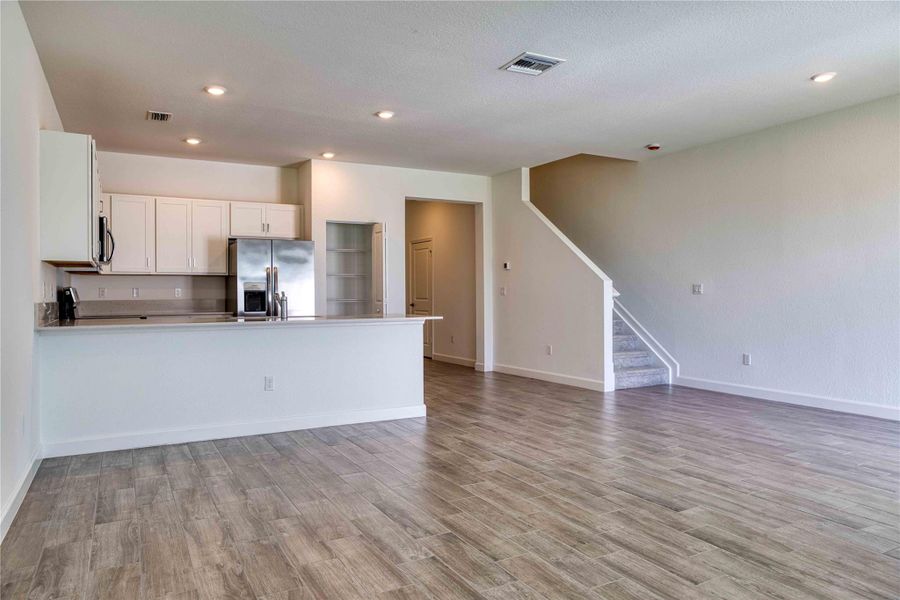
[[282, 221], [131, 221], [209, 237], [248, 219], [173, 235]]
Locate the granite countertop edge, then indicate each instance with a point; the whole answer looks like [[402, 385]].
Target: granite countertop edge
[[220, 322]]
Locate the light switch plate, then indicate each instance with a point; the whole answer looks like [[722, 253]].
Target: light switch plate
[[503, 291], [747, 359], [507, 266], [697, 289]]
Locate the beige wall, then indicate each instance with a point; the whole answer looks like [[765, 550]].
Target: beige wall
[[185, 178], [27, 108], [554, 296], [794, 232], [451, 227]]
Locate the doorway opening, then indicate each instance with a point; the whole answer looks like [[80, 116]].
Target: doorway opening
[[441, 277], [354, 257]]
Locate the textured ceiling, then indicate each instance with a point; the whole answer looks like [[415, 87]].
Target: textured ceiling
[[304, 78]]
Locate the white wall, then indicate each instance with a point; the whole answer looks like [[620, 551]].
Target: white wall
[[377, 194], [794, 232], [27, 107], [451, 227], [324, 374], [187, 178], [554, 296]]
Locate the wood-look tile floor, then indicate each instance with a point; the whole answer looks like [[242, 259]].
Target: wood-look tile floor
[[510, 488]]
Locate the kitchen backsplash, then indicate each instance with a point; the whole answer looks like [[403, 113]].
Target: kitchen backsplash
[[103, 308], [121, 288]]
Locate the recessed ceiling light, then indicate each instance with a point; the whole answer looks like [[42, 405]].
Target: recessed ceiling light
[[385, 114], [193, 141], [214, 90], [328, 155], [653, 147], [823, 77]]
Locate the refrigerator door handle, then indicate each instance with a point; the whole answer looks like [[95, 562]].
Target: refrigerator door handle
[[268, 291], [275, 305]]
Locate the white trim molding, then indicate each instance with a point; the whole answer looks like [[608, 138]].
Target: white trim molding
[[580, 382], [225, 430], [456, 360], [12, 508], [865, 409]]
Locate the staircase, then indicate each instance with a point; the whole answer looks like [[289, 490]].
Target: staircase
[[635, 364]]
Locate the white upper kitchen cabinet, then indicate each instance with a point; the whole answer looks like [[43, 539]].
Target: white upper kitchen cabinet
[[248, 219], [70, 199], [209, 237], [173, 235], [283, 221], [260, 219], [132, 224]]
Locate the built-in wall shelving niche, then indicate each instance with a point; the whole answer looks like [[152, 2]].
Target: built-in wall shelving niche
[[349, 268]]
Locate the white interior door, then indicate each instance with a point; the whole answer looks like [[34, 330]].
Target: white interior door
[[378, 268], [209, 237], [173, 235], [421, 286]]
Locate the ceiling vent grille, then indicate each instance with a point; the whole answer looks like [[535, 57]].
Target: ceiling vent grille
[[155, 115], [530, 63]]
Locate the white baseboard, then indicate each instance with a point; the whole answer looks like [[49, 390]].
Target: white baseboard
[[10, 510], [179, 436], [456, 360], [581, 382], [836, 404]]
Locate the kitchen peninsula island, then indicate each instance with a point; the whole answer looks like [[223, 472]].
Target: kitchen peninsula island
[[110, 384]]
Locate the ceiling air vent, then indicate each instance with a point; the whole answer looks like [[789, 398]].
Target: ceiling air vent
[[155, 115], [530, 63]]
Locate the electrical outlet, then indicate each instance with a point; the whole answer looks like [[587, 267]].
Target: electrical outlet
[[747, 360], [549, 349], [697, 289], [269, 383], [178, 292], [452, 340], [101, 292], [135, 292], [503, 291]]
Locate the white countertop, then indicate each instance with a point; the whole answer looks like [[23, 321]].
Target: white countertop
[[219, 321]]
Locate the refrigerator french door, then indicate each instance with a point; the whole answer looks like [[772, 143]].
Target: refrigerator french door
[[260, 270]]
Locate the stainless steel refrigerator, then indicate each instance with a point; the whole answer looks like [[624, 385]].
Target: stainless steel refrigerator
[[260, 270]]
